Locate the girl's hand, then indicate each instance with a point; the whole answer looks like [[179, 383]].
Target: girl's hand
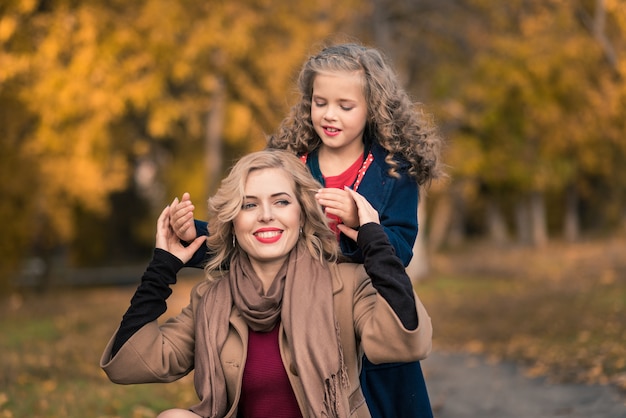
[[366, 214], [181, 218], [339, 203], [167, 240]]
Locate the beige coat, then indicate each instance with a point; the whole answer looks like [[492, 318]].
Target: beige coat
[[367, 324]]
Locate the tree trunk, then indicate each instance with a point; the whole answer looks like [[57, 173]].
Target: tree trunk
[[496, 225], [538, 219], [439, 221], [599, 33], [522, 222], [571, 223], [456, 230], [213, 140]]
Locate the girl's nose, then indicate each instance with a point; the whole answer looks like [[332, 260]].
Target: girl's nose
[[330, 113]]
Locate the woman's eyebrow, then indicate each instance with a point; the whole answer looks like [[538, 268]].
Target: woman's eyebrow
[[272, 195]]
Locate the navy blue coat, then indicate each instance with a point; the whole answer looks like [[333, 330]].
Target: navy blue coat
[[395, 199]]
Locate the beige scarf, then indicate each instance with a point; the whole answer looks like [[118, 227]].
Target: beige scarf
[[304, 301]]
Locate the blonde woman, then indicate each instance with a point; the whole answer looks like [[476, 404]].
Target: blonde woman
[[282, 332]]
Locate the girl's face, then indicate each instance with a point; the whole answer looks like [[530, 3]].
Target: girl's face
[[268, 226], [339, 112]]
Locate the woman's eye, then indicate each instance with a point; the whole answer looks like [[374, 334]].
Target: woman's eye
[[283, 202], [347, 108], [248, 206], [319, 104]]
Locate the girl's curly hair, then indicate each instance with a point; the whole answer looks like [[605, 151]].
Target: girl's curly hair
[[399, 125]]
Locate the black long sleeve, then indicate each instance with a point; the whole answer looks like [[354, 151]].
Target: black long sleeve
[[387, 273], [149, 301]]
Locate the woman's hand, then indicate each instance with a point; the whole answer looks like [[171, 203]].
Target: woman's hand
[[366, 214], [167, 240], [181, 218]]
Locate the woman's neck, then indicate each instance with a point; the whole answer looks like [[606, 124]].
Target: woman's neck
[[267, 271]]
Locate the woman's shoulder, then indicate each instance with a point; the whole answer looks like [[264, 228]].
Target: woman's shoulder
[[347, 272], [200, 288]]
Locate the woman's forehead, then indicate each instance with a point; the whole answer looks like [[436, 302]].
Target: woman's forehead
[[269, 179]]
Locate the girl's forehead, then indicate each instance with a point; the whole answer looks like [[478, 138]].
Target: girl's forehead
[[339, 83], [339, 73]]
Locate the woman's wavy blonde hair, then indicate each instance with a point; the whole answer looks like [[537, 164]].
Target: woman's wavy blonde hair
[[226, 204], [394, 121]]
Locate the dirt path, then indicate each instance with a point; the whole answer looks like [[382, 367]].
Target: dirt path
[[466, 386]]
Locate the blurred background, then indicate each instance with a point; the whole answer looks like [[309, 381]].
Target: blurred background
[[110, 109]]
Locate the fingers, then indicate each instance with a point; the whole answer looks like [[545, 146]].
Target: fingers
[[181, 218], [366, 211], [163, 219], [339, 203], [163, 229], [195, 245]]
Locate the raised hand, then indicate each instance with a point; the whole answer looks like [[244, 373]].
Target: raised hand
[[366, 214], [167, 240], [181, 218]]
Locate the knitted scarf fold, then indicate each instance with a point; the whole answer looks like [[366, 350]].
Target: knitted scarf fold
[[302, 295]]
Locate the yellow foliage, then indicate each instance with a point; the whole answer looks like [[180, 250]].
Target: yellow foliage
[[238, 122], [8, 24]]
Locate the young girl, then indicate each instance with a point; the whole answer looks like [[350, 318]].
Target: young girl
[[355, 127]]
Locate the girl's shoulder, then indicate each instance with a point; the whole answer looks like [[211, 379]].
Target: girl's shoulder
[[380, 157]]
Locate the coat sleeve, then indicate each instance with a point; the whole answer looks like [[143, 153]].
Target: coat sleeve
[[387, 273], [155, 353], [383, 337], [149, 301]]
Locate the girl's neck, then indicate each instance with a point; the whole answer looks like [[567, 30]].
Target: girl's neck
[[333, 162]]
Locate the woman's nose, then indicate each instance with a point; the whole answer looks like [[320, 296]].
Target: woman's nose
[[266, 213]]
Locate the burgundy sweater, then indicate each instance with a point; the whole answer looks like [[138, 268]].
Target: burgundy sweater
[[264, 369]]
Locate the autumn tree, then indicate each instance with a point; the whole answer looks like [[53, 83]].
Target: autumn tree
[[105, 97]]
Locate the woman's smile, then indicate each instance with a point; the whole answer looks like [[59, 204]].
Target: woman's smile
[[268, 235]]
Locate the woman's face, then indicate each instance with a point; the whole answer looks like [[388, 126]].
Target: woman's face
[[268, 226]]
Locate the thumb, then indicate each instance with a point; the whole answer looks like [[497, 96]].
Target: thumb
[[348, 232], [197, 243]]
